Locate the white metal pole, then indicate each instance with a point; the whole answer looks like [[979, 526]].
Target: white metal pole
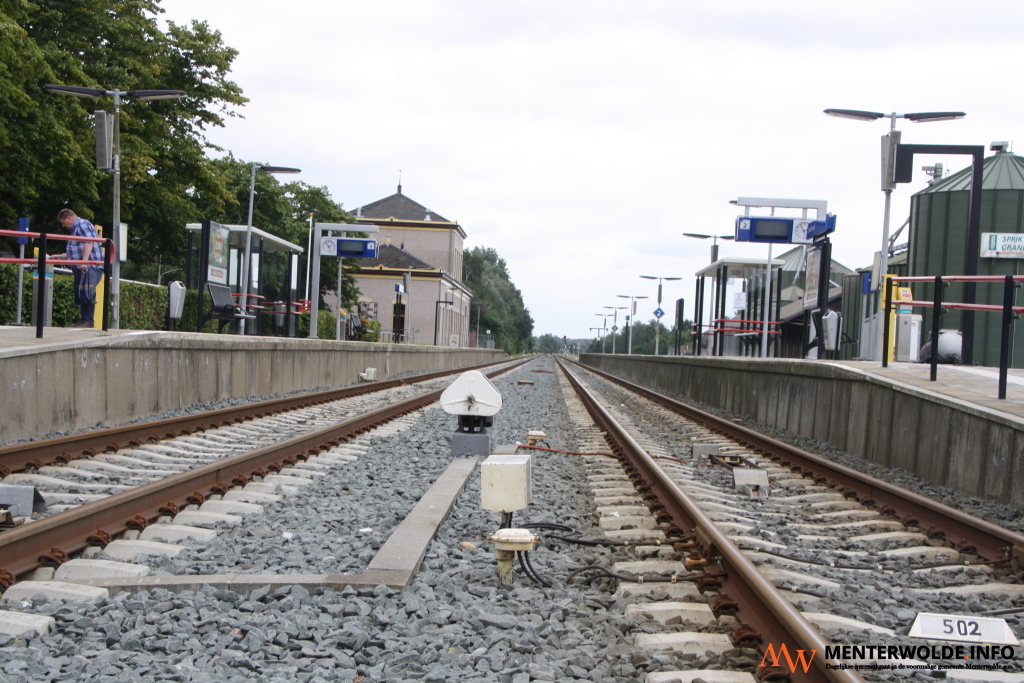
[[115, 229], [767, 301], [337, 317], [309, 255], [314, 306], [883, 269], [246, 269]]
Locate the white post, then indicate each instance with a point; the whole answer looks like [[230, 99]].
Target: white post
[[246, 274], [767, 301], [315, 302]]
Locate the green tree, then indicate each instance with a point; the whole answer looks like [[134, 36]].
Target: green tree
[[503, 311], [549, 343], [47, 140]]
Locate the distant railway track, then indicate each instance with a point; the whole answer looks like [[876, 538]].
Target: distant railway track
[[50, 541], [857, 522]]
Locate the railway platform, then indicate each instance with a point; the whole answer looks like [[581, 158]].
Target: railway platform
[[77, 378], [954, 432]]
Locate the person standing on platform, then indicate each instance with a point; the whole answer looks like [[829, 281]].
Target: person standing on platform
[[86, 277]]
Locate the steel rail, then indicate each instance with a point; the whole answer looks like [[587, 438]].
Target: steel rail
[[63, 449], [766, 616], [51, 540], [963, 531]]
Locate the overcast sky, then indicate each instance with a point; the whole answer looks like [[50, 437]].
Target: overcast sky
[[581, 138]]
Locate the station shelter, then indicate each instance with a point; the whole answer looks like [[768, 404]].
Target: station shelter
[[414, 287], [273, 282]]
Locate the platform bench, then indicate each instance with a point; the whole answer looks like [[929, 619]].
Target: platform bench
[[224, 307]]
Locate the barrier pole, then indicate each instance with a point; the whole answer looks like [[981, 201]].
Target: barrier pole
[[1004, 352], [936, 319], [885, 324], [40, 301]]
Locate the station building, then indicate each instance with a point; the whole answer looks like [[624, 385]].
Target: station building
[[420, 252]]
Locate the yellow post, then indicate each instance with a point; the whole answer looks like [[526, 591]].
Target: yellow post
[[97, 318]]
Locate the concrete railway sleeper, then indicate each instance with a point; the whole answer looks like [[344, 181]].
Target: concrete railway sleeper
[[859, 574], [99, 511]]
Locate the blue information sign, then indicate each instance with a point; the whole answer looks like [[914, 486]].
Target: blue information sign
[[23, 227], [658, 313], [615, 328]]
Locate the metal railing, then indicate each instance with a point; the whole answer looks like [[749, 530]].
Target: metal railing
[[937, 304]]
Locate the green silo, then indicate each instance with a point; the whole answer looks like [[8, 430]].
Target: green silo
[[938, 242]]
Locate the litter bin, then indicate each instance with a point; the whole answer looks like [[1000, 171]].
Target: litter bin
[[47, 296]]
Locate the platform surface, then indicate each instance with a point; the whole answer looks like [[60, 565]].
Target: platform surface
[[973, 385], [18, 339]]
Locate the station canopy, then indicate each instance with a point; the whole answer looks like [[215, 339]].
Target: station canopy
[[271, 243], [743, 268]]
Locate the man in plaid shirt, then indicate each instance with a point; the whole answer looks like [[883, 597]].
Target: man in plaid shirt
[[86, 277]]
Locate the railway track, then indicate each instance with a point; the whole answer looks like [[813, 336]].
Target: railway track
[[781, 566], [171, 466]]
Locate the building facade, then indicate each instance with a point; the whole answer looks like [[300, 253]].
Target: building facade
[[414, 288]]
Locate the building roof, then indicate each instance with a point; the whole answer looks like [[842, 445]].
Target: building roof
[[390, 256], [399, 207], [738, 267], [1001, 171]]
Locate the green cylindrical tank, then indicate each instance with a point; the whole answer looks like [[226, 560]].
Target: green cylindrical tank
[[938, 243]]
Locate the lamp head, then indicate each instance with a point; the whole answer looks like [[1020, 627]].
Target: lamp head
[[856, 114], [279, 169], [697, 235], [155, 94], [88, 93], [926, 116]]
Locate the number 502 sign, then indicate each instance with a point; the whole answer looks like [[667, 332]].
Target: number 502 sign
[[963, 629]]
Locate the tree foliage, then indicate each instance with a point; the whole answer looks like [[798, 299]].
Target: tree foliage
[[643, 339], [47, 141], [503, 311], [549, 343]]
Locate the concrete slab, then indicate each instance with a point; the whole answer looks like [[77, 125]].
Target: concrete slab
[[650, 567], [231, 507], [672, 591], [609, 491], [251, 496], [407, 544], [684, 643], [784, 578], [1011, 590], [54, 590], [128, 550], [19, 624], [205, 519], [924, 551], [627, 522], [691, 613], [175, 533], [637, 535], [708, 675], [287, 480], [621, 510], [605, 501], [261, 487], [79, 568], [830, 623]]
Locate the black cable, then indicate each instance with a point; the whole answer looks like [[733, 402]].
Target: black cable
[[872, 568], [996, 612], [549, 525], [526, 570], [525, 556], [506, 520], [606, 573]]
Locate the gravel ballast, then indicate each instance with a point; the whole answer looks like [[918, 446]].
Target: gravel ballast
[[452, 623]]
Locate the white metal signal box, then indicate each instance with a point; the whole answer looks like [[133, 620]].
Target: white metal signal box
[[506, 483]]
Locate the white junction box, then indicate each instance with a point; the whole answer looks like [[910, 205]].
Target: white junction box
[[506, 483]]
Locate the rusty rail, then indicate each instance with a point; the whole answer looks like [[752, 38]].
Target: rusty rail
[[50, 541], [63, 449], [766, 617], [961, 530]]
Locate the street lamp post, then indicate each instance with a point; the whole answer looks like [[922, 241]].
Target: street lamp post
[[604, 324], [889, 143], [615, 323], [714, 243], [246, 274], [115, 234], [657, 329], [632, 305]]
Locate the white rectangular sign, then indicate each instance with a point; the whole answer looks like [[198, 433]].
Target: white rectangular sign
[[961, 628], [1002, 245]]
